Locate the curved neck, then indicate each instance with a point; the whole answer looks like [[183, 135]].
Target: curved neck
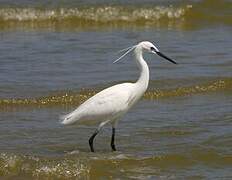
[[143, 67]]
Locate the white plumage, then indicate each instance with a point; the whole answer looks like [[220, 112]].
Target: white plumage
[[112, 103], [109, 104]]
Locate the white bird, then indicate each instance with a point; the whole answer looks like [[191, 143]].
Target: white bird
[[109, 105]]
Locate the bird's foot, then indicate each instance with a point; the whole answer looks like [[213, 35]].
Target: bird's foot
[[113, 147]]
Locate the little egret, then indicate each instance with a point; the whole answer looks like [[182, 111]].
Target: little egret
[[109, 105]]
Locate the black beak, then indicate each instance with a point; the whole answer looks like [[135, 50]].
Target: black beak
[[165, 57]]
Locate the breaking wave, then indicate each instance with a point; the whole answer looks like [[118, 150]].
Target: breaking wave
[[181, 16], [85, 166], [76, 98]]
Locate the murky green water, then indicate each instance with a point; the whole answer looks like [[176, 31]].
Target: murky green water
[[55, 55]]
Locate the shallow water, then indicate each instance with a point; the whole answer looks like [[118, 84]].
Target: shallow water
[[51, 62]]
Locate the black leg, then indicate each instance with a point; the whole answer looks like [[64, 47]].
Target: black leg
[[112, 139], [91, 140]]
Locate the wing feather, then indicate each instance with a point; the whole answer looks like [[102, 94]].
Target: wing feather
[[105, 105]]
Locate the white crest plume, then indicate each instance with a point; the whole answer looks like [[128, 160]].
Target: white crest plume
[[129, 49]]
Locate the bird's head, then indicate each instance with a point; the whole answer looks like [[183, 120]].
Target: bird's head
[[147, 47], [151, 48]]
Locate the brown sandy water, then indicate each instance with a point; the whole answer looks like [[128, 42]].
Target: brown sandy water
[[56, 55]]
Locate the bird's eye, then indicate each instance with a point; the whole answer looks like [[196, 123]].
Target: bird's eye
[[152, 49]]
